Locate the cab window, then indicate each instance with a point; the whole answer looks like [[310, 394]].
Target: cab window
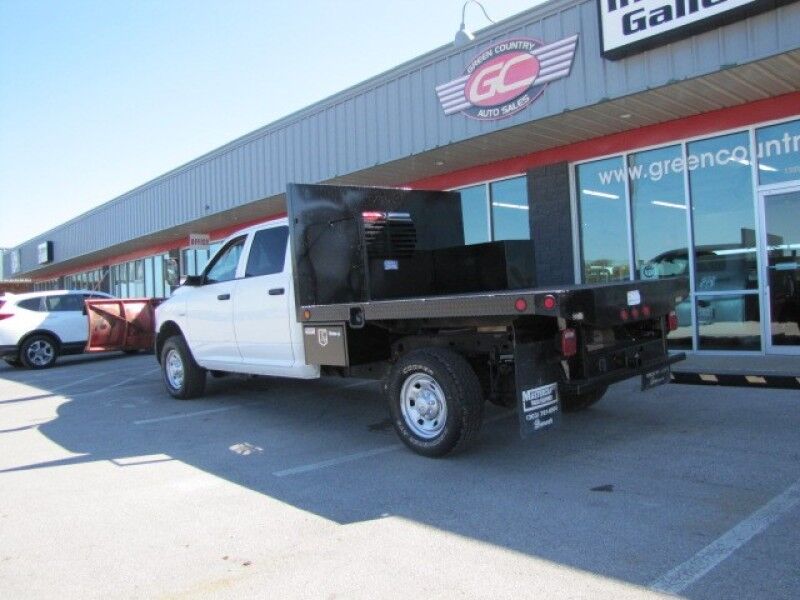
[[267, 252], [223, 267]]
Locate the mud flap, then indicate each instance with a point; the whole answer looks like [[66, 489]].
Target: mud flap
[[538, 372]]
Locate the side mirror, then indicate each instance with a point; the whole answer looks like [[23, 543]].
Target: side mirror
[[171, 271], [193, 280]]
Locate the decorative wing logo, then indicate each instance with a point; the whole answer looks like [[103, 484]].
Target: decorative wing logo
[[507, 77]]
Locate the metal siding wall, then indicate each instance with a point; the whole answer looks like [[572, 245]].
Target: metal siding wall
[[397, 115]]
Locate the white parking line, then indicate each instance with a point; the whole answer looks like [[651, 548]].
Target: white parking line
[[58, 390], [684, 575], [128, 380], [337, 461], [198, 413], [359, 455]]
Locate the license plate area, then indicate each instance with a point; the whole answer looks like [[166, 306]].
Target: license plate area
[[656, 377]]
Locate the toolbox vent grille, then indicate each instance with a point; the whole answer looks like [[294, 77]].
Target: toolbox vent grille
[[392, 235]]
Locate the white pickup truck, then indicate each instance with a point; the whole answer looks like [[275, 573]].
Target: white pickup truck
[[378, 283]]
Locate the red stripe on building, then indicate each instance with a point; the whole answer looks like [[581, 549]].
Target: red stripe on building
[[710, 123]]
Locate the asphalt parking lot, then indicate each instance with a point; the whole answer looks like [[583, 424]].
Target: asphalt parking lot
[[276, 488]]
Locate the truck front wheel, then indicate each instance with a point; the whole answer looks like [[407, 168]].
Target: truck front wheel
[[184, 378], [435, 401]]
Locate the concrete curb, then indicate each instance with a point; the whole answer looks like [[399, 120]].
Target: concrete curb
[[790, 382]]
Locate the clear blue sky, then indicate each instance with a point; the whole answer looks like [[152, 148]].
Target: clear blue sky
[[97, 97]]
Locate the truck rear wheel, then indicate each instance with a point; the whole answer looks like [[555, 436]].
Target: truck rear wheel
[[577, 402], [435, 401], [184, 378]]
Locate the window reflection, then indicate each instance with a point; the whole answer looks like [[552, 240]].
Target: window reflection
[[510, 219], [603, 219], [506, 201], [141, 278], [782, 219], [723, 215], [475, 214], [728, 322], [658, 206], [778, 149]]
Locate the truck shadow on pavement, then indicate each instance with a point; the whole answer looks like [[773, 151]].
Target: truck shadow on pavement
[[614, 490]]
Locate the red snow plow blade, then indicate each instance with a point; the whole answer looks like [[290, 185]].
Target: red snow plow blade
[[121, 324]]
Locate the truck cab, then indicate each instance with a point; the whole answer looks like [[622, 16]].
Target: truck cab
[[238, 314]]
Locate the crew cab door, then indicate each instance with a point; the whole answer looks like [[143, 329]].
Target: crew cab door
[[261, 308], [209, 310]]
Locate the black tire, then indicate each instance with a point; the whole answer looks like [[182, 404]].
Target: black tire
[[575, 403], [38, 351], [13, 362], [183, 377], [454, 388]]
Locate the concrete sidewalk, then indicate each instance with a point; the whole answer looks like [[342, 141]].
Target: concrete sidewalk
[[740, 365], [761, 371]]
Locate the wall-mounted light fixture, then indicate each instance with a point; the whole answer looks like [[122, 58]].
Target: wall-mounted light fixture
[[464, 36]]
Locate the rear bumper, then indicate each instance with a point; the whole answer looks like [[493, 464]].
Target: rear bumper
[[582, 386], [9, 351]]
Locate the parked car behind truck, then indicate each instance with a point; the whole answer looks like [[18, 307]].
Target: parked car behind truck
[[378, 283], [38, 327]]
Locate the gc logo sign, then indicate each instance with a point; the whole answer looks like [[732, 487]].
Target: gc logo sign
[[506, 77], [502, 79]]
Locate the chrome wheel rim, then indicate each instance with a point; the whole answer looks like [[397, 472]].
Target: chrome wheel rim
[[173, 367], [423, 405], [40, 353]]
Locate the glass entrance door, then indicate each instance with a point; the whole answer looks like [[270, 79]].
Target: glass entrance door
[[781, 263]]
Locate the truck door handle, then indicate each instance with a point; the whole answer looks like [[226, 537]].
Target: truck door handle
[[224, 297], [276, 292]]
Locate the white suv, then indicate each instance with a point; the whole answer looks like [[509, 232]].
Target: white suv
[[36, 328]]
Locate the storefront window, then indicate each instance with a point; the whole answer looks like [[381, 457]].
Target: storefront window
[[510, 219], [506, 201], [603, 220], [723, 215], [94, 280], [149, 283], [160, 290], [142, 278], [193, 261], [778, 151], [728, 322], [475, 214], [658, 206]]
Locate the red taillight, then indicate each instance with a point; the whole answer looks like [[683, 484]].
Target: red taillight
[[521, 305], [549, 302], [623, 314], [569, 343], [672, 321], [645, 311], [5, 316], [372, 216], [635, 312]]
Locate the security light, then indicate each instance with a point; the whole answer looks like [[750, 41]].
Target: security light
[[463, 36]]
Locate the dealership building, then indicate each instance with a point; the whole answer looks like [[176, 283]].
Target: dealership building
[[627, 139]]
